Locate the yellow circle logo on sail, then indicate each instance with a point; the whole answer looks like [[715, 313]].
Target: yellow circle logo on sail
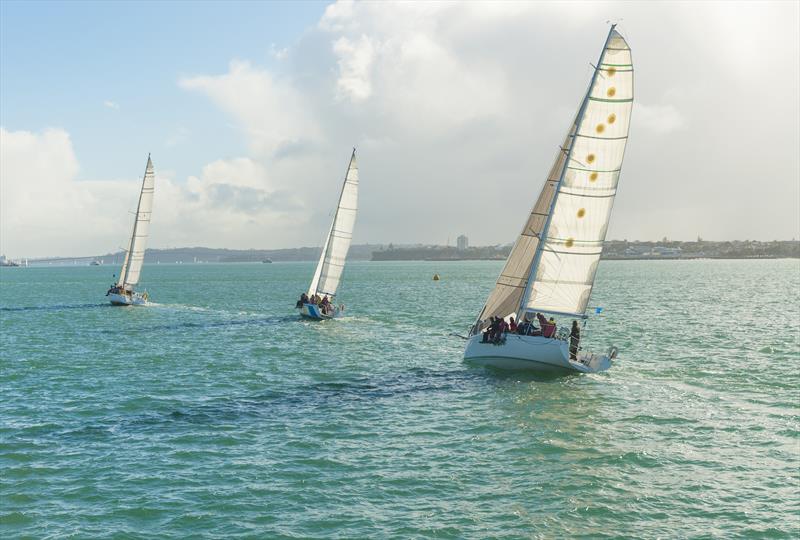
[[611, 92], [593, 177], [600, 128], [590, 158], [569, 242], [612, 118], [611, 71], [581, 212]]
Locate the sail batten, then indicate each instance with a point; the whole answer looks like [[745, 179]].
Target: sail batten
[[552, 265], [329, 269], [134, 256]]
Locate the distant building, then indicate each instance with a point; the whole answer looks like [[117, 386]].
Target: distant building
[[663, 251], [462, 242]]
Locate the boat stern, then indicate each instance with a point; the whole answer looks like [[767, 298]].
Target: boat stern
[[313, 311], [133, 299]]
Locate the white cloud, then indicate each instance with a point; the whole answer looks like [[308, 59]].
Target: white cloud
[[355, 61], [46, 210], [267, 107], [43, 206], [110, 104], [278, 54]]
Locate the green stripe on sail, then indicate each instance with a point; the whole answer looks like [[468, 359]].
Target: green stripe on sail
[[599, 138], [591, 170], [611, 100]]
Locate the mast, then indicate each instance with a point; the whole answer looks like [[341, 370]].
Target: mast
[[581, 112]]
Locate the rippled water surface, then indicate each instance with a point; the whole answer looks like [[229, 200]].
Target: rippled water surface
[[218, 413]]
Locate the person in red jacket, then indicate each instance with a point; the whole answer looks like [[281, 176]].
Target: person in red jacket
[[548, 327], [549, 331], [542, 323], [502, 328]]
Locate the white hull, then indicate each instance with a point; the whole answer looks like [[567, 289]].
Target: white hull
[[312, 311], [135, 299], [532, 353]]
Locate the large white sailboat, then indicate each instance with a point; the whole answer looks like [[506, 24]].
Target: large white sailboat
[[551, 268], [318, 303], [123, 293]]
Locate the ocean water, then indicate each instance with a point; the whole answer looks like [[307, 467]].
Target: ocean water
[[217, 413]]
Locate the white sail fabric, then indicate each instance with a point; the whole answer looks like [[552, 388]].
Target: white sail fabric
[[134, 257], [574, 238], [334, 252]]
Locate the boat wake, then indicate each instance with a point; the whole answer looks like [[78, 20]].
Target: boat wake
[[55, 307]]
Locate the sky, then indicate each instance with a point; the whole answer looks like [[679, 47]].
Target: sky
[[250, 111]]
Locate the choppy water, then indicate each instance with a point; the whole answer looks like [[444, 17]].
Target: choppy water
[[218, 413]]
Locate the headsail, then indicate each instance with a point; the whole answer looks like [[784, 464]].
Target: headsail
[[562, 240], [134, 256], [334, 252], [507, 294]]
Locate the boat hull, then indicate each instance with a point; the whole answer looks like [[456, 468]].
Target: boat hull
[[313, 311], [531, 353], [135, 299]]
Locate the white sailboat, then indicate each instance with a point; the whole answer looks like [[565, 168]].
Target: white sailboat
[[318, 303], [123, 293], [552, 266]]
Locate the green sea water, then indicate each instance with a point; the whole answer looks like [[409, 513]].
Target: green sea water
[[218, 413]]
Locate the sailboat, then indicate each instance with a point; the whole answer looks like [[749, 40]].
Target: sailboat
[[123, 293], [551, 268], [334, 252]]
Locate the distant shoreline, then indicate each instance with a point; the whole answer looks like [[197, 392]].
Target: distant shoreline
[[664, 250], [65, 264]]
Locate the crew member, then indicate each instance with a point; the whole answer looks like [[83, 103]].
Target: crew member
[[574, 339]]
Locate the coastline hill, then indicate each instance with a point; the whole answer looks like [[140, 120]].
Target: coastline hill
[[612, 250]]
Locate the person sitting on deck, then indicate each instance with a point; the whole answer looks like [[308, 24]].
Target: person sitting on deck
[[325, 305], [488, 334], [303, 300], [524, 326], [574, 340], [500, 330], [512, 326], [542, 325], [549, 331]]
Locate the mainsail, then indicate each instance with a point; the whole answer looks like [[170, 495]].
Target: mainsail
[[334, 252], [134, 256], [560, 245]]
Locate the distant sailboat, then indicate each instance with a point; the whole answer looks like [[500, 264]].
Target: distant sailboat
[[552, 265], [123, 294], [334, 252]]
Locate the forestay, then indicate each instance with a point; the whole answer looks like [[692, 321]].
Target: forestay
[[134, 256], [563, 236], [334, 252]]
